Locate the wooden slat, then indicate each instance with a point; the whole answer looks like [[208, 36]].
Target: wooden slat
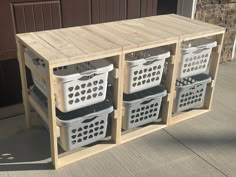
[[60, 44], [122, 9], [142, 24], [176, 29], [83, 44], [95, 39], [56, 15], [133, 9], [42, 49], [187, 115], [24, 84], [76, 12], [73, 156], [137, 30], [95, 11], [29, 18], [122, 33], [214, 66], [47, 14], [141, 132], [109, 36], [52, 117], [38, 16], [19, 19], [178, 25], [203, 24]]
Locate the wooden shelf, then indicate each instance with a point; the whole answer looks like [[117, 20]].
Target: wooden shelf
[[115, 39]]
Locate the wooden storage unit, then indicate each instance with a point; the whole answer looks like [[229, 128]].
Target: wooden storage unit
[[115, 39]]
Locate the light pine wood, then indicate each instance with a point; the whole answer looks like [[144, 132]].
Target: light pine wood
[[118, 98], [141, 132], [52, 118], [115, 39], [170, 83], [214, 66], [24, 85], [187, 115]]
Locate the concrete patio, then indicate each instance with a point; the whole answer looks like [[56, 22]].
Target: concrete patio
[[198, 147]]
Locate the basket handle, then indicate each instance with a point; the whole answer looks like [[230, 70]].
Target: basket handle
[[200, 50], [146, 102], [89, 120], [149, 62]]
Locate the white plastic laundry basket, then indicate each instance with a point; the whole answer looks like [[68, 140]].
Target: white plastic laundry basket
[[144, 69], [76, 86], [196, 56]]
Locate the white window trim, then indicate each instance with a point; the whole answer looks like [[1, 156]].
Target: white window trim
[[187, 8]]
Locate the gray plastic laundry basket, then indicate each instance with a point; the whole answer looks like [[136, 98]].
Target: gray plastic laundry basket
[[80, 127], [142, 107], [191, 92]]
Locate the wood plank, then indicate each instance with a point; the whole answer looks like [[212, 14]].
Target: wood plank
[[121, 33], [52, 117], [38, 109], [148, 28], [95, 39], [180, 25], [83, 44], [29, 18], [187, 115], [42, 49], [188, 24], [96, 29], [141, 132], [60, 44], [75, 155], [38, 16], [200, 23], [24, 84], [136, 30], [159, 26], [214, 66], [170, 25], [118, 98], [47, 14], [56, 15], [133, 9], [76, 12]]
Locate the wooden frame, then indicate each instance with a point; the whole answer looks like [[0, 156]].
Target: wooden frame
[[79, 44]]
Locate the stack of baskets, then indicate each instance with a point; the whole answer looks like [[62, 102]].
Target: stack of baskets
[[80, 93], [142, 93], [191, 87]]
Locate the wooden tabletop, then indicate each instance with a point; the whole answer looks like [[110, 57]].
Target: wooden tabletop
[[75, 43]]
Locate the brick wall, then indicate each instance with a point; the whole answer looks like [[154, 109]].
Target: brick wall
[[222, 13]]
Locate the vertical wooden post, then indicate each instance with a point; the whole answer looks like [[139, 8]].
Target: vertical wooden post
[[214, 65], [24, 85], [118, 99], [170, 84], [52, 117]]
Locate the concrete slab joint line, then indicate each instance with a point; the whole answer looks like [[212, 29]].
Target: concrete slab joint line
[[195, 153]]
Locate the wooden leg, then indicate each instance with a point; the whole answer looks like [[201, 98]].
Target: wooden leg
[[21, 60], [118, 100], [170, 84], [52, 118], [214, 65]]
